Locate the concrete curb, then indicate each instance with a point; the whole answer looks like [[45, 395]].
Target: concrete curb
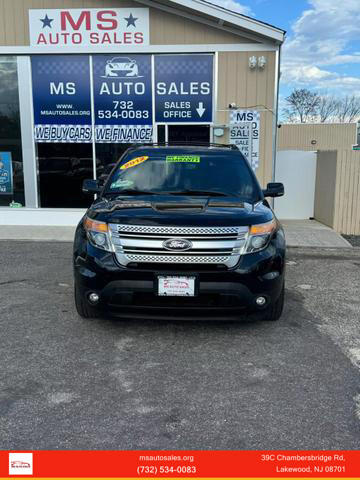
[[39, 233], [310, 233]]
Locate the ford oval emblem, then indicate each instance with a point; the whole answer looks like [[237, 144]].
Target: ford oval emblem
[[177, 244]]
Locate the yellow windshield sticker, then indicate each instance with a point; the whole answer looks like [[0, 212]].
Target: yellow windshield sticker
[[133, 162], [183, 158]]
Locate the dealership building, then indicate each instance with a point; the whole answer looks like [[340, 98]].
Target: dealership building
[[81, 80]]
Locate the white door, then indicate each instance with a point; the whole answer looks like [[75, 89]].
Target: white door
[[296, 169]]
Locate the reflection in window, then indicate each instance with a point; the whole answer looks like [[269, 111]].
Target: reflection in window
[[107, 155], [62, 169], [64, 166], [11, 162]]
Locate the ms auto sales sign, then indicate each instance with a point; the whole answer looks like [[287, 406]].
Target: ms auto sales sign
[[245, 134], [89, 26]]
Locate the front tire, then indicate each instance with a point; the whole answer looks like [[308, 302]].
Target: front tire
[[83, 308], [274, 312]]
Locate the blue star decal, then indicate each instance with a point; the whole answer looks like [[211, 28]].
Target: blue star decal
[[46, 21], [131, 20]]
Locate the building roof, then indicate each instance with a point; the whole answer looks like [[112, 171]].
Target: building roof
[[221, 17]]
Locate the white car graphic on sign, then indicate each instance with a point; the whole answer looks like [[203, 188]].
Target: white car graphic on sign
[[121, 67]]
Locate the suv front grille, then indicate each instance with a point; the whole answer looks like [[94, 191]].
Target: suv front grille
[[177, 258], [182, 231], [209, 245]]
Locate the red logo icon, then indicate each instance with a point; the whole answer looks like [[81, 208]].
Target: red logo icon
[[19, 464]]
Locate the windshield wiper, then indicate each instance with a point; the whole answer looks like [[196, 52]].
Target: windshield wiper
[[210, 193]]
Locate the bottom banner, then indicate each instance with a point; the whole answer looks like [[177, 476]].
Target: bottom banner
[[181, 464]]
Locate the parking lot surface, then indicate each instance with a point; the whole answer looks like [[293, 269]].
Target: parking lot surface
[[71, 383]]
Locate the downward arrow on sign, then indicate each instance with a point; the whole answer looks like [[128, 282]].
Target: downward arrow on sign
[[200, 110]]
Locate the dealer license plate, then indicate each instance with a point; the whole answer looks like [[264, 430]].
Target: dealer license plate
[[176, 286]]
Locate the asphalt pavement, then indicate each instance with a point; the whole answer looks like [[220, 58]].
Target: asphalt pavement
[[71, 383]]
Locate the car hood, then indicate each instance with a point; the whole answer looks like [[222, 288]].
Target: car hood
[[180, 210]]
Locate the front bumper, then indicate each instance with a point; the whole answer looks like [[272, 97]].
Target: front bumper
[[224, 294]]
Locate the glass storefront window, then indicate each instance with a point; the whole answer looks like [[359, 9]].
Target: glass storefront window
[[62, 169], [81, 99], [62, 115], [11, 161]]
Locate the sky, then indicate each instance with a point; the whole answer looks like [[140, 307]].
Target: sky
[[322, 47]]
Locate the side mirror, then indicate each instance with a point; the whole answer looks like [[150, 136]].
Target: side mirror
[[91, 186], [274, 190]]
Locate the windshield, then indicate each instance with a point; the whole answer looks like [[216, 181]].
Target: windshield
[[187, 172]]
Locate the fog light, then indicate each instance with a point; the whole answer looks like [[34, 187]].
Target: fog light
[[93, 297], [271, 275], [260, 301]]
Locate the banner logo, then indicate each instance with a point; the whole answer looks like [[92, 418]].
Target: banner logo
[[121, 67], [20, 463], [90, 26]]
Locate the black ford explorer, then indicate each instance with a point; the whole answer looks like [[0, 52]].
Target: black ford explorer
[[180, 232]]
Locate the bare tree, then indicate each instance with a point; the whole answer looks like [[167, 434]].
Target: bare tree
[[302, 105], [348, 109], [343, 109], [305, 106], [327, 108]]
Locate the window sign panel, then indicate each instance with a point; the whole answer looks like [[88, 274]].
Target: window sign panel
[[122, 98], [6, 174], [11, 161], [184, 88], [61, 92], [244, 133], [89, 26], [62, 168]]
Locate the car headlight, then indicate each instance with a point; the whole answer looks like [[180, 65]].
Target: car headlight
[[98, 234], [259, 236]]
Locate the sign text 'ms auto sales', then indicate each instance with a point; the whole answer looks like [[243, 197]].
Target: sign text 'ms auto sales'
[[91, 26]]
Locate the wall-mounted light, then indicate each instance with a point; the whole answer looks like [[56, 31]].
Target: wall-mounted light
[[252, 62], [261, 62], [257, 62]]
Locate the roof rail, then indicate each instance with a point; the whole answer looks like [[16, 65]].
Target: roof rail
[[193, 143]]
